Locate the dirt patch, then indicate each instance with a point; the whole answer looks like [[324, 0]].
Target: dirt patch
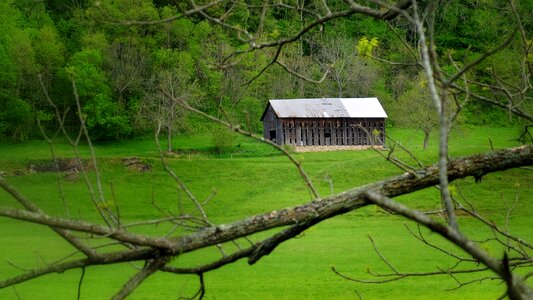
[[136, 164], [332, 148], [71, 167], [60, 165]]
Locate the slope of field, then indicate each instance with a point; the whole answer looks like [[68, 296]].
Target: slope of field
[[251, 178]]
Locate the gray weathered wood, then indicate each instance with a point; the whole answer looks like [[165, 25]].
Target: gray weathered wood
[[312, 131]]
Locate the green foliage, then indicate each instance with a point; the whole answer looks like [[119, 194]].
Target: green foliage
[[85, 69], [365, 46], [19, 66], [479, 114], [249, 110], [103, 116], [177, 34], [23, 54], [49, 50], [178, 62], [15, 119], [223, 139], [8, 74], [415, 109], [105, 119], [476, 27], [96, 41]]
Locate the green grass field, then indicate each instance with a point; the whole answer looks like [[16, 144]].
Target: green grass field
[[252, 178]]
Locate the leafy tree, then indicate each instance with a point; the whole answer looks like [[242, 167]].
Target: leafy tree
[[50, 53], [105, 119], [223, 139], [365, 46], [352, 75], [415, 109], [17, 71], [172, 79], [15, 118]]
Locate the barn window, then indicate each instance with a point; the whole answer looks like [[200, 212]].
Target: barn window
[[327, 133]]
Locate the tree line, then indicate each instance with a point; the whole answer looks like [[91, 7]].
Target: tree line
[[126, 60]]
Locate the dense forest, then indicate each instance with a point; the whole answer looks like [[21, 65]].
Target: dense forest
[[124, 66]]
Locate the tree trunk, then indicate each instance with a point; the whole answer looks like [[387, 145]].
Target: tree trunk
[[169, 139], [426, 138]]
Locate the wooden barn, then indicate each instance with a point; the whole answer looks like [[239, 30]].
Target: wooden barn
[[325, 122]]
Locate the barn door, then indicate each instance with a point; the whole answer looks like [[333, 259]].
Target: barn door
[[273, 135]]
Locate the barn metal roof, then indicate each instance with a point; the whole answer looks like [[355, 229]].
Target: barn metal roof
[[328, 108]]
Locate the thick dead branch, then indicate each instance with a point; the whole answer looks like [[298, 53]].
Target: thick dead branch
[[109, 258], [212, 266], [394, 11]]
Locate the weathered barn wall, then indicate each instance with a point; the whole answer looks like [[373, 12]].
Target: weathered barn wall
[[331, 132], [325, 122]]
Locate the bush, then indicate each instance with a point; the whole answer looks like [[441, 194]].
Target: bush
[[15, 119], [223, 139]]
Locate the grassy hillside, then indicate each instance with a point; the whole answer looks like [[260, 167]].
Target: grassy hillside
[[251, 178]]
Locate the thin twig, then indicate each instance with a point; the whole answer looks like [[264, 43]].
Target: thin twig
[[81, 282], [178, 180], [298, 165]]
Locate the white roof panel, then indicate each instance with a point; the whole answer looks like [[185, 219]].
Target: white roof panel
[[364, 107], [329, 108]]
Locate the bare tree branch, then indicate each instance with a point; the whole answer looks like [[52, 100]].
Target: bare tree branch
[[477, 61], [150, 268], [439, 100], [193, 11], [516, 286], [104, 211], [178, 180], [109, 258], [288, 70], [33, 208]]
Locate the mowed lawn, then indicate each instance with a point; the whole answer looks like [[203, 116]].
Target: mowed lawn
[[248, 179]]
